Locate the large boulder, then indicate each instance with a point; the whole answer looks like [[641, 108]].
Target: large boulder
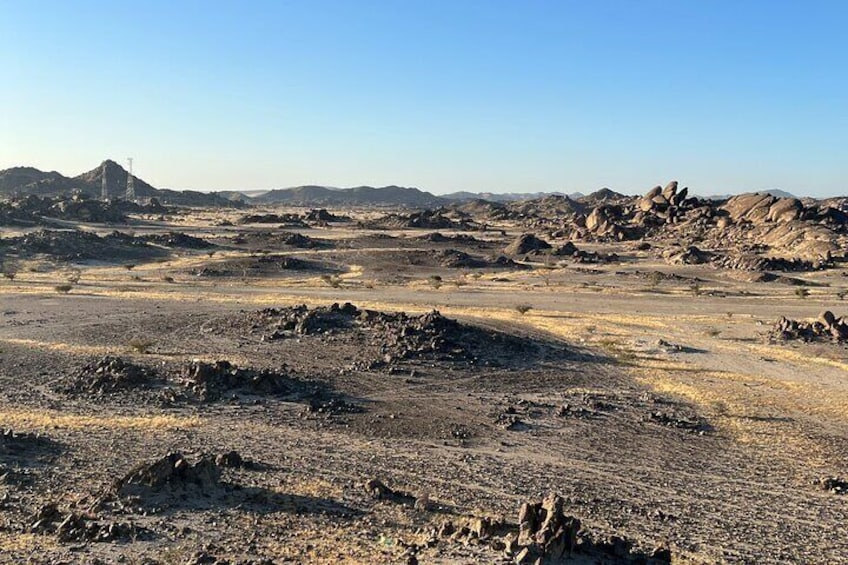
[[526, 243], [752, 207], [785, 210]]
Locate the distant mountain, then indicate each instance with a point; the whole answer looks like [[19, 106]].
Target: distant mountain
[[357, 196], [507, 196], [23, 181], [773, 191], [602, 195]]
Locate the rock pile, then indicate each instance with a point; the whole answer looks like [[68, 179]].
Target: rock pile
[[78, 527], [78, 245], [827, 327], [178, 239], [545, 534], [437, 219], [526, 243], [16, 443], [111, 374], [293, 220], [212, 381], [171, 472], [399, 336]]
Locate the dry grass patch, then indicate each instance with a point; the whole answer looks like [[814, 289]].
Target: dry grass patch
[[53, 419]]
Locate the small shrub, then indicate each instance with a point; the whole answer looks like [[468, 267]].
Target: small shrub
[[841, 294], [802, 293], [129, 267], [10, 275], [435, 281], [523, 308], [140, 345], [332, 280], [74, 276], [63, 288], [695, 288], [168, 279], [655, 278]]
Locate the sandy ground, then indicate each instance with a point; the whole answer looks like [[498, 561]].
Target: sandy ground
[[740, 488]]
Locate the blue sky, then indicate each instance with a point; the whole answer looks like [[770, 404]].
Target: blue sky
[[724, 96]]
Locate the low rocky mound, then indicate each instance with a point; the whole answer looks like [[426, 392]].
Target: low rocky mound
[[438, 237], [262, 266], [827, 328], [173, 472], [212, 381], [16, 444], [73, 526], [270, 239], [426, 219], [34, 210], [293, 220], [79, 245], [525, 244], [177, 239], [398, 336], [321, 216], [110, 375], [546, 534]]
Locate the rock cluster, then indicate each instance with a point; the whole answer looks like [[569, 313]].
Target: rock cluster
[[169, 473], [545, 534], [399, 336], [111, 374], [78, 527], [212, 381], [827, 327], [78, 245]]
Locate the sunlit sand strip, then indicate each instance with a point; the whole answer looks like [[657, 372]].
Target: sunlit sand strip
[[14, 544], [27, 420], [60, 347]]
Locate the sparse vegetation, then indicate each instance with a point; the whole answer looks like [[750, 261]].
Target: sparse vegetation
[[695, 289], [140, 345], [523, 308], [63, 288], [655, 278], [333, 281], [802, 292], [435, 281]]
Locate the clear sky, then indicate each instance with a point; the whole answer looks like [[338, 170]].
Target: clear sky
[[445, 95]]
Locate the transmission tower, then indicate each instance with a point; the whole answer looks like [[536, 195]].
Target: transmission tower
[[130, 182], [104, 185]]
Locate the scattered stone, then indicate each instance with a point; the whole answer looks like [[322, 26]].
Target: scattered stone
[[835, 485], [379, 491]]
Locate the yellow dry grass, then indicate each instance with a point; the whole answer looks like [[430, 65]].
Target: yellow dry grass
[[59, 346], [42, 419], [18, 545]]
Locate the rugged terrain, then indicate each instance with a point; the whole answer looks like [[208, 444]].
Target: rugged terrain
[[606, 379]]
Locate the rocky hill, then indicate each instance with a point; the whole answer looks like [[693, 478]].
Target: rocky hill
[[26, 181], [356, 196]]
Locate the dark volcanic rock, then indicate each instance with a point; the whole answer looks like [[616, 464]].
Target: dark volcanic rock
[[178, 239], [526, 243], [111, 374], [211, 381]]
